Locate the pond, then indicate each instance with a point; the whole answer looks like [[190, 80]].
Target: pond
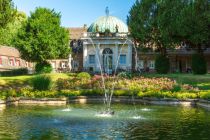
[[83, 122]]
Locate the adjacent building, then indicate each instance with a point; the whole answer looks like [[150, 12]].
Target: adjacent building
[[180, 59], [10, 59], [106, 45]]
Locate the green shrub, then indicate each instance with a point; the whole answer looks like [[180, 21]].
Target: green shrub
[[9, 93], [122, 93], [126, 75], [169, 94], [155, 94], [43, 67], [4, 95], [29, 93], [42, 82], [199, 65], [162, 64], [185, 95], [176, 88], [15, 72], [92, 92], [205, 94], [70, 93], [84, 75]]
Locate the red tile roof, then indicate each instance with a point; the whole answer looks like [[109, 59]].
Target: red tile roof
[[76, 33], [9, 51]]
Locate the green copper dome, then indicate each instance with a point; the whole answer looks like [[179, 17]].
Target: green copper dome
[[111, 23]]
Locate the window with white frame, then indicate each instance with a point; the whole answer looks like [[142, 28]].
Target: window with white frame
[[26, 64], [53, 65], [91, 59], [141, 64], [151, 64], [63, 65], [18, 63], [11, 62], [123, 59]]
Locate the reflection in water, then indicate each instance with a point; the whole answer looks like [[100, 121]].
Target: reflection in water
[[66, 110], [146, 109], [151, 122], [137, 117]]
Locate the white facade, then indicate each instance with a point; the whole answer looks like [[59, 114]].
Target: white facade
[[107, 54], [106, 46]]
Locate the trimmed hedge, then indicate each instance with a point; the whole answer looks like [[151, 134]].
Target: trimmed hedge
[[43, 67], [15, 72], [199, 64], [162, 64]]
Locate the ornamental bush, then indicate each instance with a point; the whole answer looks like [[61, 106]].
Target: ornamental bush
[[84, 75], [43, 67], [162, 64], [199, 65], [42, 83]]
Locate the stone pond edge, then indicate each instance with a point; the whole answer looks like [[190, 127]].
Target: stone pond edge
[[98, 99]]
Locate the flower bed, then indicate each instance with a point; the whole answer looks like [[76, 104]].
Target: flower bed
[[92, 86], [94, 92]]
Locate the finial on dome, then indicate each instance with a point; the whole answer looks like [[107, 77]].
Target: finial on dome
[[107, 11]]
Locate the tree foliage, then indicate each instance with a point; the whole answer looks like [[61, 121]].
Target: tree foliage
[[146, 26], [42, 37], [165, 23], [162, 64], [192, 23], [199, 65], [43, 67], [9, 33], [7, 12]]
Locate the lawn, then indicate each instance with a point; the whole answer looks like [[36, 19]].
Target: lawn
[[21, 81], [200, 81]]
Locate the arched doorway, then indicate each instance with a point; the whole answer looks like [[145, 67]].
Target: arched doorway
[[107, 60]]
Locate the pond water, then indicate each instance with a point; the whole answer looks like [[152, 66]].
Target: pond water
[[83, 122]]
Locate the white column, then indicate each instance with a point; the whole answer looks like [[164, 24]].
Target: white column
[[85, 57], [116, 55], [98, 57], [70, 62], [129, 55]]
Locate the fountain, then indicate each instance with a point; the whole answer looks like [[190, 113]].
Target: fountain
[[108, 93], [95, 34]]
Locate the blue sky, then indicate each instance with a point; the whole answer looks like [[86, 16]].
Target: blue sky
[[76, 13]]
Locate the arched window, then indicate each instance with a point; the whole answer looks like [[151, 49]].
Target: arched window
[[107, 51]]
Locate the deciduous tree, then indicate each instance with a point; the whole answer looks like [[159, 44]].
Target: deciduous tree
[[10, 31], [7, 12], [42, 37]]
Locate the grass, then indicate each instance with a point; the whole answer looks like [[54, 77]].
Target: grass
[[200, 81], [22, 81]]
